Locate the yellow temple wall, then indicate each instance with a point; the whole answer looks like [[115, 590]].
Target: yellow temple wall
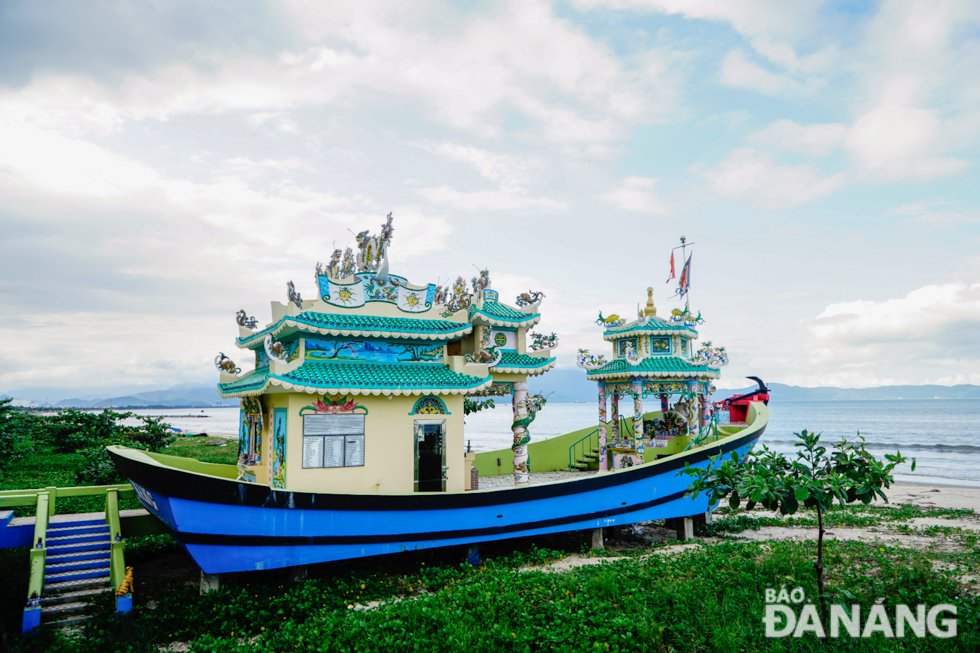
[[389, 448]]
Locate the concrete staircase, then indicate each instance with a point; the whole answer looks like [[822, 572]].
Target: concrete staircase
[[588, 460], [76, 569]]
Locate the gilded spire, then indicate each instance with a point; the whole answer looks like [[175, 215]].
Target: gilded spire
[[650, 309]]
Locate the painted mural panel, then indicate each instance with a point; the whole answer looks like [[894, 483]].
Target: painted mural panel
[[660, 344], [376, 351], [278, 474], [261, 358]]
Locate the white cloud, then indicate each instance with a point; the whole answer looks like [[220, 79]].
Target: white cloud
[[897, 142], [811, 140], [937, 213], [753, 176], [737, 70], [636, 194], [503, 199], [928, 335], [515, 176]]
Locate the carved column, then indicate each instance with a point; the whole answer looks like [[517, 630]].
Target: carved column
[[521, 436], [692, 393], [638, 418], [603, 454], [614, 417]]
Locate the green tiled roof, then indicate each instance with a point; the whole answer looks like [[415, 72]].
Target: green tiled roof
[[251, 381], [513, 359], [349, 324], [653, 366], [396, 378], [654, 326], [502, 313]]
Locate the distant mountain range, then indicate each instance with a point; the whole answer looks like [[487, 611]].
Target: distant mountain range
[[570, 385], [564, 385], [183, 395]]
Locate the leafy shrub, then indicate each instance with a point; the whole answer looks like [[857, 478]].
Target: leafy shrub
[[73, 430], [97, 468]]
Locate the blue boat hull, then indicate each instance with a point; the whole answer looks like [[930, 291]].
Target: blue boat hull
[[228, 525]]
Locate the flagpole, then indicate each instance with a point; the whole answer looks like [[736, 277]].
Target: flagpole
[[683, 248], [687, 295]]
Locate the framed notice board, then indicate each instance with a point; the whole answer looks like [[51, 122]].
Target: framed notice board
[[333, 441]]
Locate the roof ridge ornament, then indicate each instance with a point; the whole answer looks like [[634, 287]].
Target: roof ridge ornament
[[610, 322], [711, 356], [225, 365], [487, 354], [530, 300], [245, 321], [587, 361], [274, 350], [540, 342]]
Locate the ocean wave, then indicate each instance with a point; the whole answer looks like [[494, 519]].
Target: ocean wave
[[938, 448]]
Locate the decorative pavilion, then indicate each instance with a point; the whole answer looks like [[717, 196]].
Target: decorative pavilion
[[362, 389], [652, 356]]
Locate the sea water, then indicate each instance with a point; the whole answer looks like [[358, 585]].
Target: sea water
[[943, 435]]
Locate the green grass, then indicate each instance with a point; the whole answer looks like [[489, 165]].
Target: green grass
[[703, 599], [43, 468], [197, 448]]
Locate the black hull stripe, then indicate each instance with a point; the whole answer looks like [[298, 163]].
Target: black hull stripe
[[266, 540], [178, 484]]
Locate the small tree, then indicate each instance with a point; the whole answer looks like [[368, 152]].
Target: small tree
[[475, 406], [814, 480]]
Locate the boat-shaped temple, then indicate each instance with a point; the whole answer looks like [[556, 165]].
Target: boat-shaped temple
[[352, 438]]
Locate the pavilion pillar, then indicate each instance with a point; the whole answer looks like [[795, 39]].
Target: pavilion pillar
[[522, 475], [603, 454], [638, 418], [702, 411], [692, 393], [614, 417]]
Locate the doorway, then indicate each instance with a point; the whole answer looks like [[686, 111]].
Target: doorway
[[430, 455]]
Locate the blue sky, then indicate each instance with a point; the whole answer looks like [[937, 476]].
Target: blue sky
[[163, 165]]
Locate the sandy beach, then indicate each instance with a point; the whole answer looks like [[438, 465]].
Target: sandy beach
[[935, 496]]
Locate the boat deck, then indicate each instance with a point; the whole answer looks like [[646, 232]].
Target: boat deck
[[507, 480]]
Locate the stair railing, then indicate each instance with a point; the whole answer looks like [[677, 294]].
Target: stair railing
[[710, 430], [577, 445], [45, 500], [117, 564]]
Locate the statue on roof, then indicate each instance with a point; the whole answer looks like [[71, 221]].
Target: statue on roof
[[459, 299], [481, 283], [333, 268], [373, 248], [439, 296], [294, 296], [347, 266]]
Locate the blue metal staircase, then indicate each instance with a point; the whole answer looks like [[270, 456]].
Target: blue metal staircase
[[76, 569]]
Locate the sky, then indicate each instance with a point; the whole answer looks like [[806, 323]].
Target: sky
[[164, 164]]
